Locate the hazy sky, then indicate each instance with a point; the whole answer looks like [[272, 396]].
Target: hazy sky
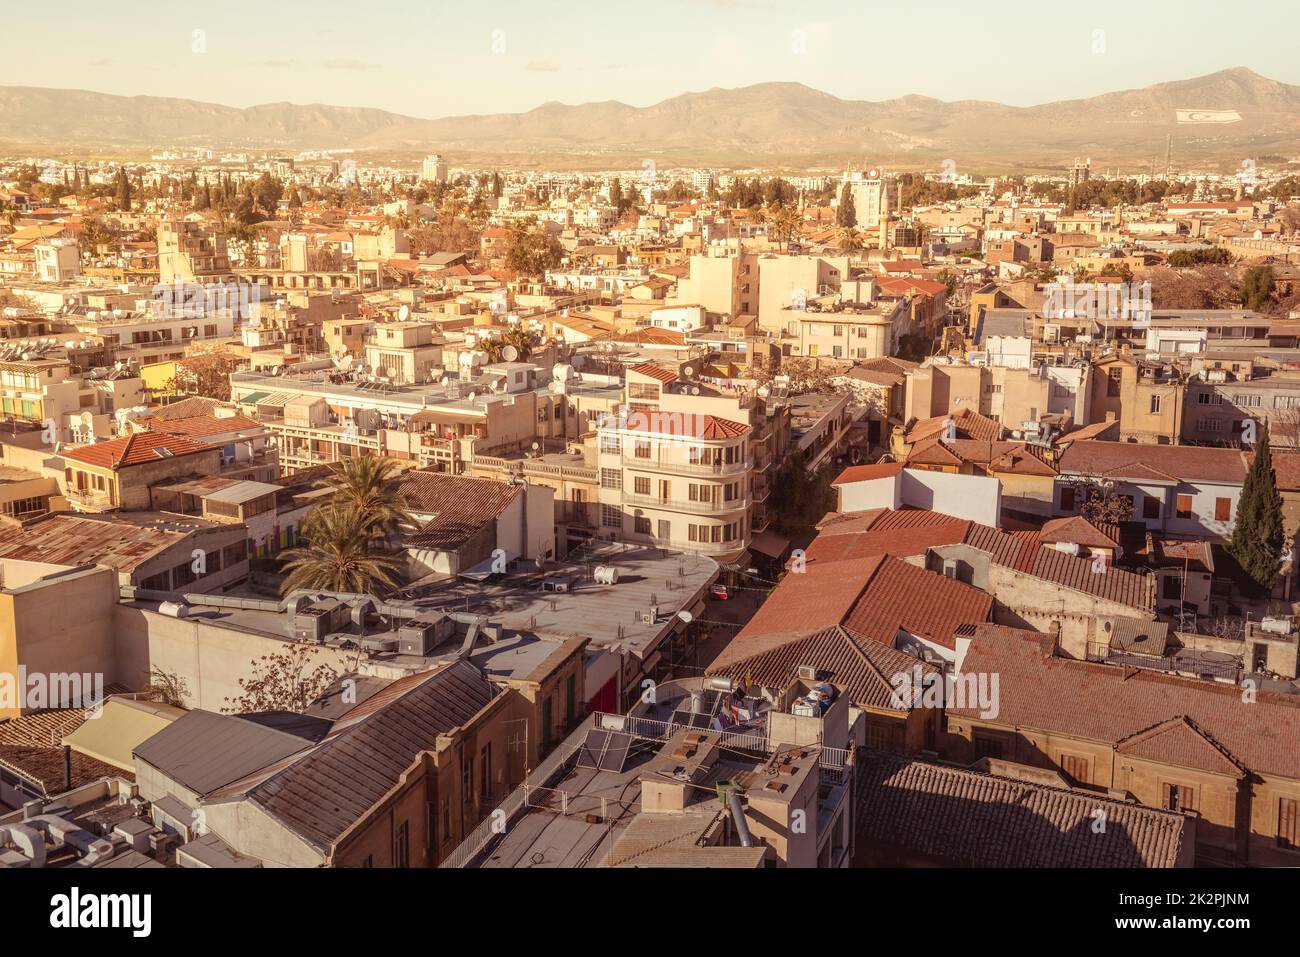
[[436, 57]]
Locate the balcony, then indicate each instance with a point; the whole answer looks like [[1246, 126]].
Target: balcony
[[677, 505], [88, 498], [676, 466]]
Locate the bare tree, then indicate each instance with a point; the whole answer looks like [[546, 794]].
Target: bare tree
[[283, 682]]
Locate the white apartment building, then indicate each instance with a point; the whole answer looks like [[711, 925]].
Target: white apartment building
[[674, 470]]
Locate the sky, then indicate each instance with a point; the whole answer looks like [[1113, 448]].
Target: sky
[[438, 58]]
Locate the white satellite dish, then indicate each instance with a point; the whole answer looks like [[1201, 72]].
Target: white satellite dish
[[403, 314], [509, 353], [685, 616]]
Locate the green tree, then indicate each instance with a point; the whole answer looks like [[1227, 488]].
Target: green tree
[[845, 215], [1257, 287], [1257, 535], [123, 190], [368, 484], [338, 555]]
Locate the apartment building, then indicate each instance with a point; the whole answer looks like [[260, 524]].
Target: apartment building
[[1221, 408], [1145, 398], [71, 406], [1015, 396], [848, 332], [786, 282]]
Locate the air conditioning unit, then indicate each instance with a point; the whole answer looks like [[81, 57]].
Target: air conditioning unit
[[1051, 333], [807, 673]]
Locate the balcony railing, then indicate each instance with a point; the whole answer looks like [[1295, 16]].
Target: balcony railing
[[661, 464], [678, 505]]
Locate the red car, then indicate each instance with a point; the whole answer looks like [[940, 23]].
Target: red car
[[719, 592]]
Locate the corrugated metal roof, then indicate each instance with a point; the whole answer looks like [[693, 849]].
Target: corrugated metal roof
[[321, 794], [204, 751]]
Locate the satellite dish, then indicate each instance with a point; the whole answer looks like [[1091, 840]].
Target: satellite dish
[[535, 446], [685, 616], [403, 314], [509, 353], [689, 372]]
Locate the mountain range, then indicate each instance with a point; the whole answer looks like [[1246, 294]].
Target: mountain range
[[1226, 116]]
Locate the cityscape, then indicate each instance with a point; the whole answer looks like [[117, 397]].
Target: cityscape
[[796, 473]]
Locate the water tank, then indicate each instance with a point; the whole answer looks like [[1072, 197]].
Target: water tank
[[174, 609], [605, 575]]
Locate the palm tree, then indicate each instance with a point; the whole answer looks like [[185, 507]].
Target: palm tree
[[850, 240], [338, 556], [368, 484]]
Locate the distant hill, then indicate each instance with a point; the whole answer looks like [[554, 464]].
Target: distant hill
[[770, 123]]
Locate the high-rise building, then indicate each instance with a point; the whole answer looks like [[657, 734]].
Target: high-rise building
[[874, 195], [435, 169]]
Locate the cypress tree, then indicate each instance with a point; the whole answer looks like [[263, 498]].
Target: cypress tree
[[1257, 536], [123, 190]]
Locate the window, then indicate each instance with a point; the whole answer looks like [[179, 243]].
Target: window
[[1151, 507], [1155, 405], [1114, 378], [1183, 506], [611, 517], [665, 530], [611, 443], [642, 390], [1288, 824], [1180, 797], [1223, 509], [402, 846], [642, 450], [641, 525], [546, 724], [987, 747], [1171, 587], [570, 699], [1067, 499], [1075, 767], [611, 478], [641, 485], [485, 771]]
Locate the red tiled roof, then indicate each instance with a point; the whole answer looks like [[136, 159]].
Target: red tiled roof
[[655, 372], [1187, 463], [969, 425], [135, 449], [924, 603], [970, 819], [1077, 529], [460, 505], [1109, 704], [1180, 741], [865, 473], [203, 425], [863, 669]]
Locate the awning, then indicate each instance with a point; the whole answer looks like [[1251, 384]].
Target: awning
[[769, 543], [253, 398]]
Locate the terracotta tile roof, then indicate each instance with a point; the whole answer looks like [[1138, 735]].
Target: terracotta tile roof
[[1188, 463], [865, 473], [1108, 704], [818, 598], [970, 819], [199, 425], [655, 372], [1094, 431], [1180, 741], [834, 546], [863, 669], [1113, 584], [460, 505], [653, 336], [1077, 529], [924, 603], [47, 768], [969, 425], [186, 408], [135, 449], [1286, 469], [934, 451]]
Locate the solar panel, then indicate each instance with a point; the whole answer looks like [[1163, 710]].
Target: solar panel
[[692, 719], [604, 750], [592, 748], [615, 755]]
